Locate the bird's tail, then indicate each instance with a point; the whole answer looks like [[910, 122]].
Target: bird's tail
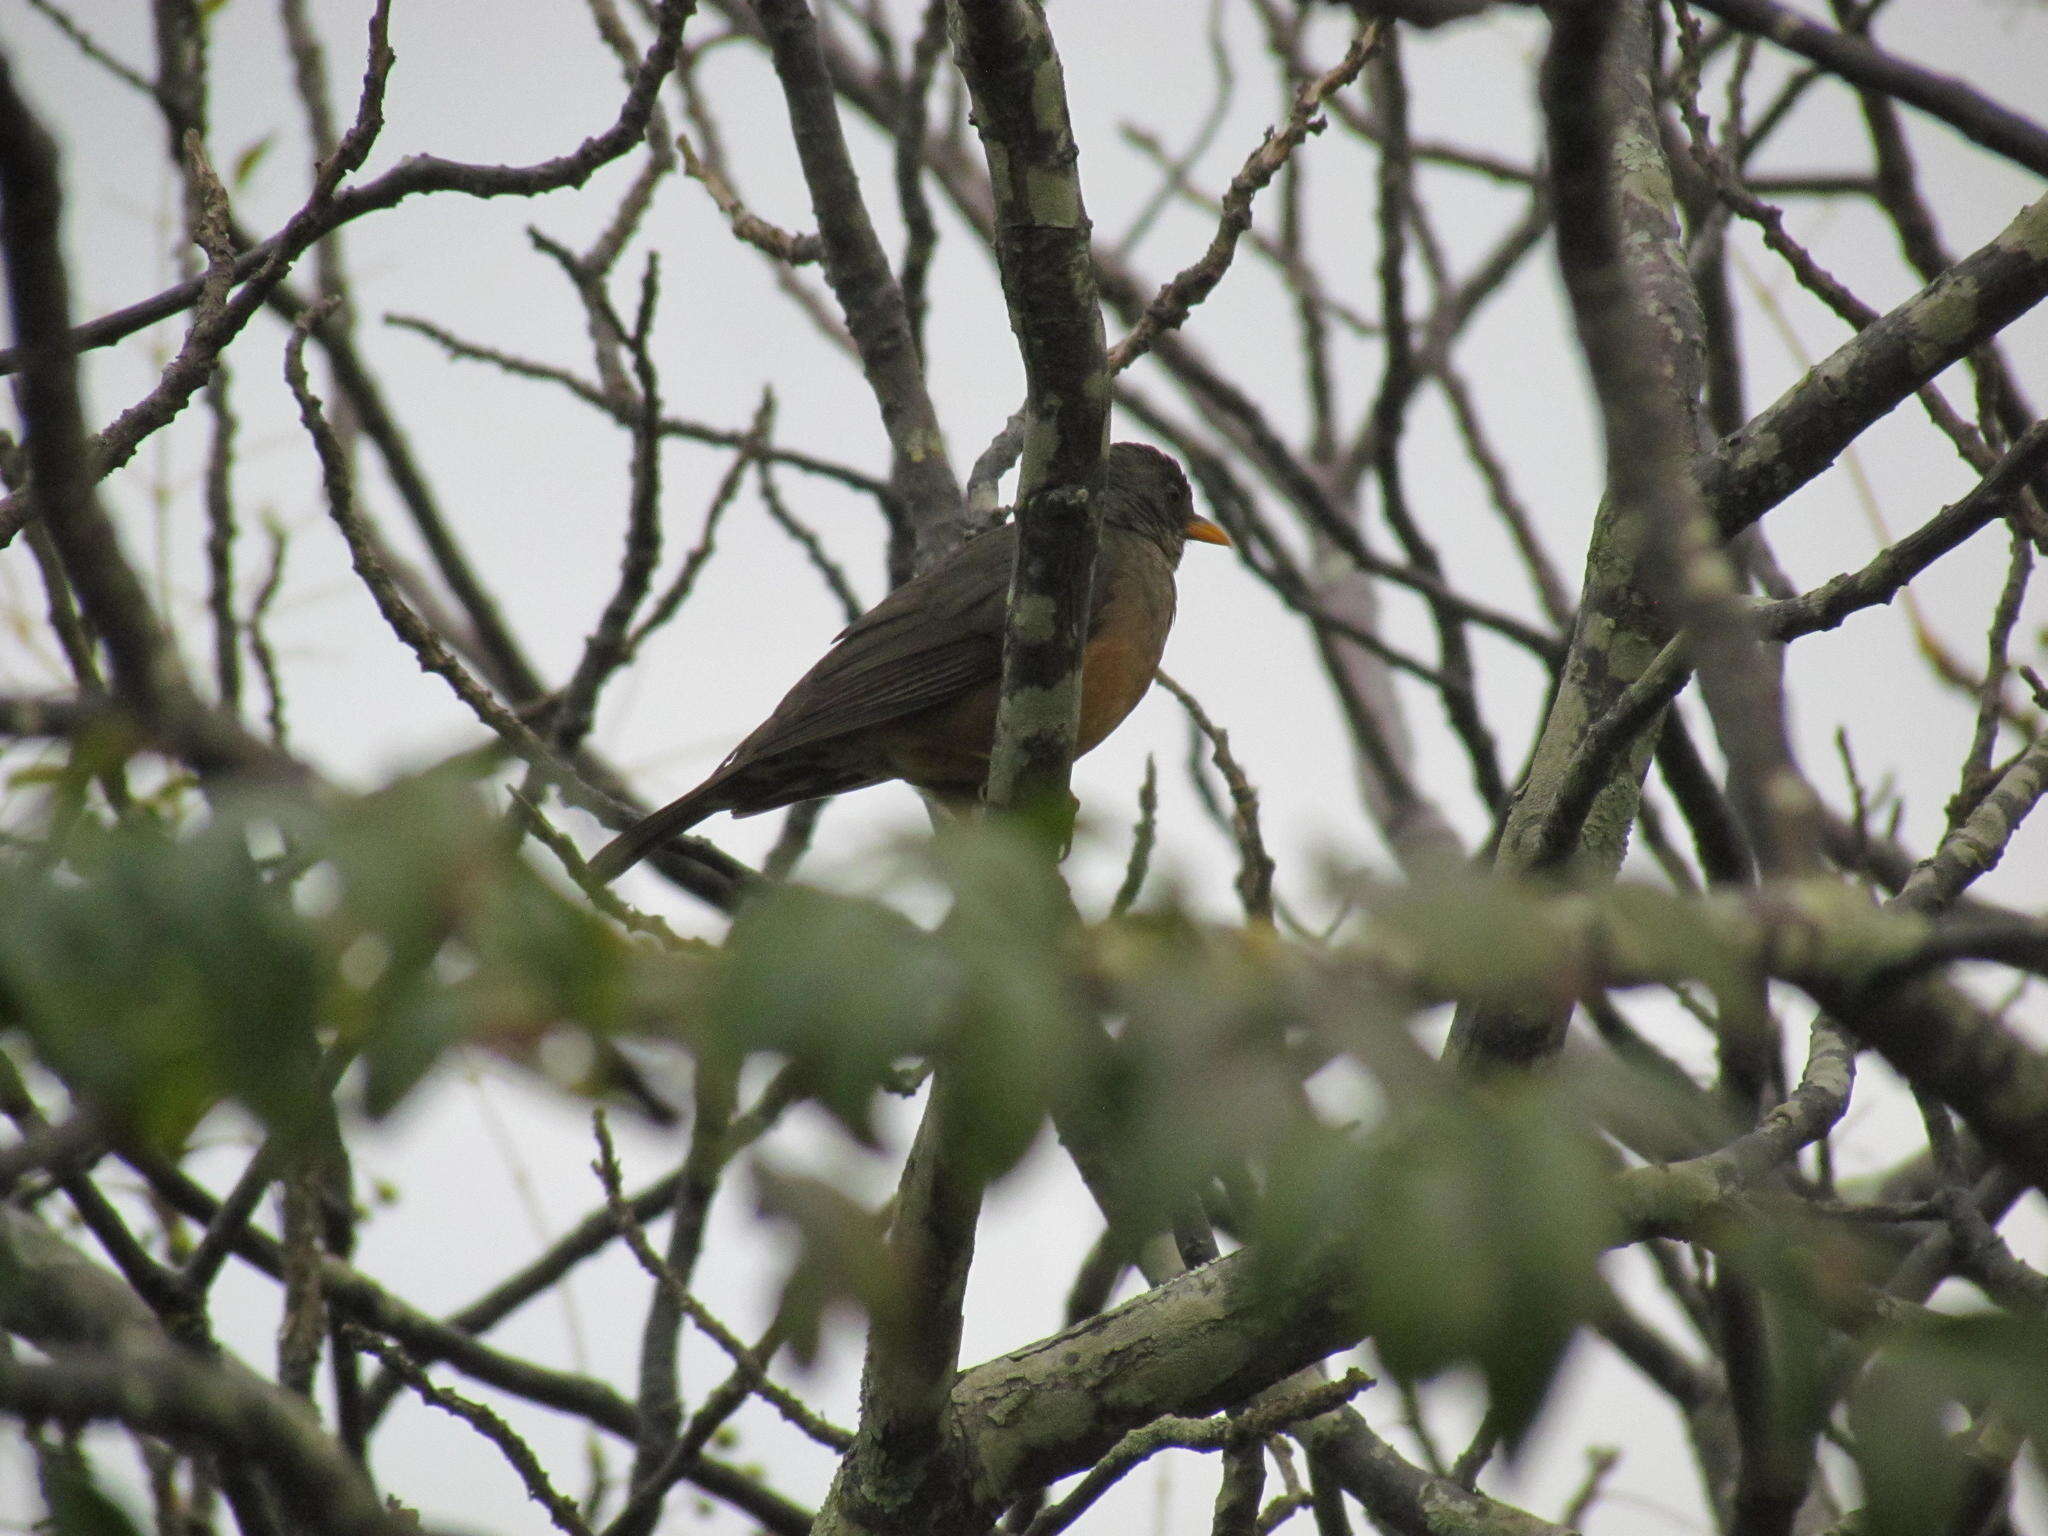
[[650, 832]]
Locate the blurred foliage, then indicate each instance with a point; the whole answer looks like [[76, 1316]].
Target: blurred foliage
[[1465, 1229], [1903, 1414], [1206, 1076], [163, 964], [1016, 1028], [843, 1261], [1509, 944], [846, 986], [158, 973], [264, 949], [77, 1505]]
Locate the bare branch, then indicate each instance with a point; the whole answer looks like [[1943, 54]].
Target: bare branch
[[149, 679], [797, 250], [867, 290], [413, 177], [1969, 112], [1174, 302]]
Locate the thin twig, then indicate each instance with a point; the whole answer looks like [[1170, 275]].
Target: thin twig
[[796, 249], [1178, 298], [258, 636], [628, 1225], [1142, 837], [418, 175], [1255, 865], [1175, 1433], [828, 569], [671, 426], [562, 1511], [83, 41], [670, 602]]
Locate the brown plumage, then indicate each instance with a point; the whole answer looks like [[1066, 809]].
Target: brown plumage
[[909, 689]]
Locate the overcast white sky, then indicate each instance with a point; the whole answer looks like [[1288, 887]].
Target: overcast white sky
[[485, 1166]]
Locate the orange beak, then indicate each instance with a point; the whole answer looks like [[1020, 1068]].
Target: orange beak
[[1202, 531]]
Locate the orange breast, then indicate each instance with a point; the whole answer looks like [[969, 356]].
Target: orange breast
[[946, 748], [1130, 635], [1114, 676]]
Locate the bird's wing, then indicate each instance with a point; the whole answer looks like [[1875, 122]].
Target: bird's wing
[[929, 641]]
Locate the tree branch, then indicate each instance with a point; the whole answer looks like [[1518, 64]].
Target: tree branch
[[1975, 116], [1005, 51], [869, 296], [148, 677]]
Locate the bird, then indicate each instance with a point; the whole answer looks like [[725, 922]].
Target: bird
[[909, 690]]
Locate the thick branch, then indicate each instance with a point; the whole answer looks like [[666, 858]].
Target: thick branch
[[858, 270], [1005, 52], [1799, 435], [1609, 172]]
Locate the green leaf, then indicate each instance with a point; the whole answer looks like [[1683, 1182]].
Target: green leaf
[[164, 974], [170, 963], [407, 1044], [843, 987], [1806, 1273], [252, 156], [413, 861], [558, 957], [1201, 1082], [1501, 944], [72, 1495], [1464, 1231], [1667, 934], [1924, 1375], [426, 901], [1912, 1471], [843, 1259], [1014, 1028]]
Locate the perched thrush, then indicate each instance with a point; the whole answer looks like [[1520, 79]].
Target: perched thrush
[[909, 690]]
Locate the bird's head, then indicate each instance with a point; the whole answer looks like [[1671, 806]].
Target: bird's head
[[1143, 490]]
